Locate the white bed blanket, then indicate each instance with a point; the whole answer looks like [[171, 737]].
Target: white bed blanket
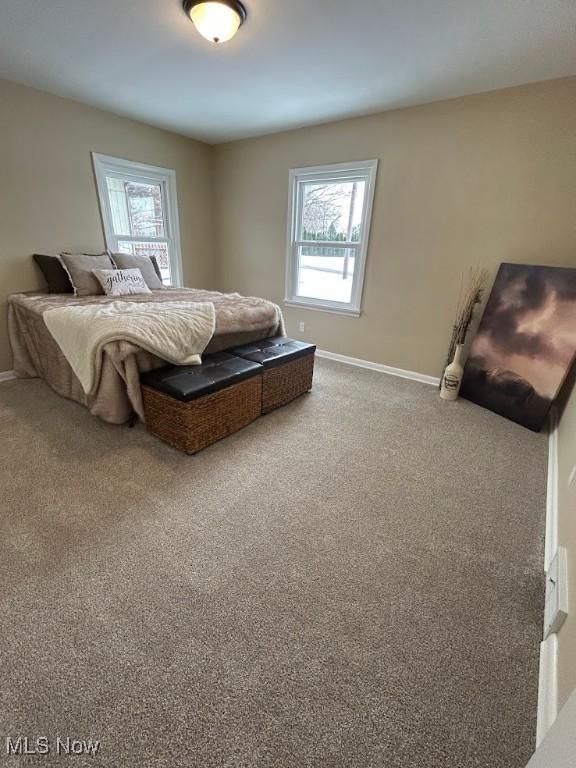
[[176, 331]]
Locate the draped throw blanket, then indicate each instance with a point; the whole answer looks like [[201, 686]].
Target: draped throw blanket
[[176, 331]]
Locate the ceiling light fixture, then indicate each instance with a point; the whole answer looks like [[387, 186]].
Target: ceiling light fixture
[[216, 20]]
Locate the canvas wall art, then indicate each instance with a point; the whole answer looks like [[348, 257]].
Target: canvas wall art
[[526, 343]]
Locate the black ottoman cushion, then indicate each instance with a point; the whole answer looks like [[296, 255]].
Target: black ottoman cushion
[[275, 351], [188, 382]]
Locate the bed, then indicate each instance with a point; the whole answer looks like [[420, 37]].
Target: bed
[[238, 320]]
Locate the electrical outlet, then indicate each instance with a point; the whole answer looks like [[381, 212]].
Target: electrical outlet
[[556, 602], [572, 475], [302, 328]]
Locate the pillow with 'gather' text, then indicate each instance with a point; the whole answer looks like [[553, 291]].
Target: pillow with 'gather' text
[[121, 282]]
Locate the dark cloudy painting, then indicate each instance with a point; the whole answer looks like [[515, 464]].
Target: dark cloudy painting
[[525, 344]]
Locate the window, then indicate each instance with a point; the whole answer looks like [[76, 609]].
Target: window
[[140, 212], [328, 227]]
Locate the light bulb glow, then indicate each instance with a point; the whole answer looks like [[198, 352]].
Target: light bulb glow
[[215, 21]]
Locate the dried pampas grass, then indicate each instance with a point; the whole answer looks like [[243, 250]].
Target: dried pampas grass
[[472, 287]]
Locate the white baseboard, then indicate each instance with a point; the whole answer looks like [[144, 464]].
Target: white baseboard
[[548, 674], [551, 541], [7, 375], [400, 372], [547, 687]]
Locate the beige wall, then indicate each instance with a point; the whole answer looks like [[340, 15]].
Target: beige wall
[[48, 199], [477, 180], [567, 538], [558, 750]]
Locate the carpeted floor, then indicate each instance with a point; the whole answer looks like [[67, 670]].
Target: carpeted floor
[[352, 581]]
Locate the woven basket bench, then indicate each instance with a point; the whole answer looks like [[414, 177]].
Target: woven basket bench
[[288, 368], [190, 407]]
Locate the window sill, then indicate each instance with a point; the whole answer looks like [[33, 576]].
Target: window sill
[[352, 312]]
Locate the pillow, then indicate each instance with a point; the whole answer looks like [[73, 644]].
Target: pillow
[[143, 263], [154, 261], [79, 267], [54, 273], [121, 282]]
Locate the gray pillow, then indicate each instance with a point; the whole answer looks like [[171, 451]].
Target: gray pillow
[[143, 263], [79, 267]]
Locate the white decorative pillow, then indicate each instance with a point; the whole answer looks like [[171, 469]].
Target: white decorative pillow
[[121, 282]]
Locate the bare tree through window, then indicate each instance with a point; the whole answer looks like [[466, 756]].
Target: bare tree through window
[[328, 237]]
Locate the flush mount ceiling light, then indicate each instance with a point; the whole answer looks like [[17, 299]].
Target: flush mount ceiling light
[[216, 20]]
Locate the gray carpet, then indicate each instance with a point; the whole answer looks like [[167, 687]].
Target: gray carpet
[[354, 580]]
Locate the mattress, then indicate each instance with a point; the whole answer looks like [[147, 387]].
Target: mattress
[[239, 320]]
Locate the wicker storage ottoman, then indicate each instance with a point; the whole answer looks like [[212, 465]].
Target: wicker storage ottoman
[[288, 368], [193, 406]]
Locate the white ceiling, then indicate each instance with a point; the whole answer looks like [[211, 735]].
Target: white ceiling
[[294, 62]]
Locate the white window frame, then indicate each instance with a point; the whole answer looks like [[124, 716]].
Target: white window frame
[[363, 170], [105, 165]]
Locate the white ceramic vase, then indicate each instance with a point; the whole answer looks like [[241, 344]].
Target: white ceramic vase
[[452, 377]]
